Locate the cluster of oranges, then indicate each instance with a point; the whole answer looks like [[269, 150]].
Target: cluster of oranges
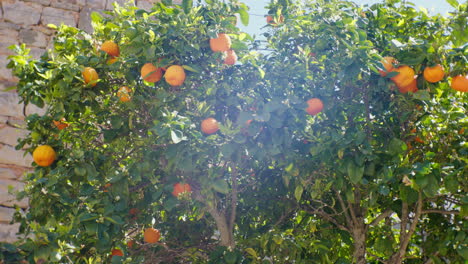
[[222, 43], [174, 75], [406, 79]]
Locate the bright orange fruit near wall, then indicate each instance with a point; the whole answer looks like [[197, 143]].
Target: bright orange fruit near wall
[[315, 106], [90, 76], [151, 235], [221, 43], [231, 57], [404, 77], [209, 126], [180, 188], [175, 75], [434, 74], [412, 87], [124, 94], [460, 83], [111, 48], [151, 73], [44, 155]]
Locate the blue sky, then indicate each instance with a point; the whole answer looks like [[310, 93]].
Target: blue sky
[[257, 11]]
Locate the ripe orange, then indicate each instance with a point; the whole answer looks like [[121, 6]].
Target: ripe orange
[[112, 60], [387, 64], [44, 155], [460, 83], [151, 73], [315, 106], [221, 43], [404, 77], [461, 131], [180, 188], [434, 74], [270, 20], [117, 252], [418, 139], [110, 48], [209, 126], [124, 94], [175, 75], [412, 87], [60, 124], [90, 76], [151, 235], [231, 57]]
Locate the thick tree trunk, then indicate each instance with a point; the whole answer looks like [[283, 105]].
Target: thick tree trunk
[[226, 233], [359, 237]]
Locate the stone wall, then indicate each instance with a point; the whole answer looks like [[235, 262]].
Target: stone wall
[[25, 21]]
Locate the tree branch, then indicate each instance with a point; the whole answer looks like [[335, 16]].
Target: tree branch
[[436, 211], [343, 206], [328, 218], [405, 240], [381, 217], [232, 217]]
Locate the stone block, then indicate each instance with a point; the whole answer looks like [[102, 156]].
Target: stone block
[[9, 105], [10, 135], [4, 72], [9, 200], [16, 122], [21, 13], [9, 155], [6, 214], [36, 53], [7, 174], [56, 16], [6, 85], [42, 2], [66, 4], [96, 4], [8, 232], [33, 109], [33, 38], [3, 119], [84, 21], [146, 5]]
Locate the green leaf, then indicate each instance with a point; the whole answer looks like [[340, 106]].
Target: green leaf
[[221, 186], [422, 95], [244, 16], [453, 3], [252, 252], [96, 17], [187, 5], [355, 172], [298, 192]]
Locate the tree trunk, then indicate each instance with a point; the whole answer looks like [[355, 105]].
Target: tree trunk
[[359, 237], [395, 259], [226, 233]]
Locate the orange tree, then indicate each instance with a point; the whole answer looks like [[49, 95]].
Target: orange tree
[[134, 95], [166, 152], [381, 176]]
